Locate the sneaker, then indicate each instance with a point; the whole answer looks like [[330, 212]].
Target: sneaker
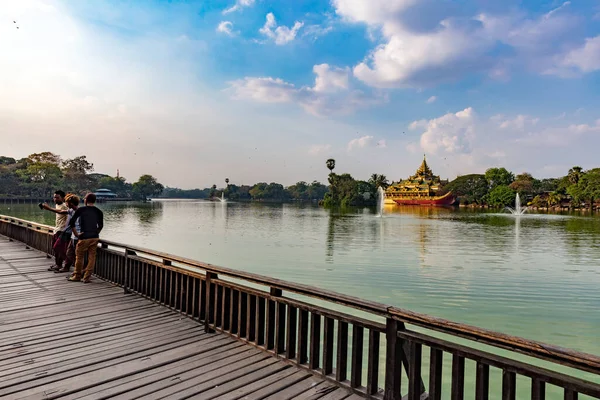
[[73, 278]]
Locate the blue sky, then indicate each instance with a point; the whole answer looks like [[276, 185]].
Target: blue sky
[[194, 91]]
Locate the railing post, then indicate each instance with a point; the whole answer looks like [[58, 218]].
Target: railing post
[[393, 361], [209, 304], [126, 270]]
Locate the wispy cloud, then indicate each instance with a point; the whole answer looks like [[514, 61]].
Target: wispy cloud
[[361, 142], [280, 34], [331, 93], [319, 149], [432, 99], [225, 27], [239, 4]]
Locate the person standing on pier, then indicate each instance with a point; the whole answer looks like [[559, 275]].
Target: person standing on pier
[[72, 201], [58, 245], [91, 222]]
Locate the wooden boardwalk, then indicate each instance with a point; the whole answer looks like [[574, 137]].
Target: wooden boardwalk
[[66, 340]]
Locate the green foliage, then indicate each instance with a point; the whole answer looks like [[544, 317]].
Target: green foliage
[[330, 163], [501, 196], [147, 186], [499, 176], [524, 184], [468, 188], [345, 191], [7, 160], [75, 172], [379, 180], [117, 185]]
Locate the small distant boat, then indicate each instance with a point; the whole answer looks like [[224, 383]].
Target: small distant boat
[[421, 189]]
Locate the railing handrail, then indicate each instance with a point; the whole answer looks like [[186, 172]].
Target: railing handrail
[[570, 358]]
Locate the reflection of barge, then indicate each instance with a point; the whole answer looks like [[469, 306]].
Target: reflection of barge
[[419, 189]]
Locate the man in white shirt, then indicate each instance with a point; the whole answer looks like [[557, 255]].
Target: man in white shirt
[[58, 244]]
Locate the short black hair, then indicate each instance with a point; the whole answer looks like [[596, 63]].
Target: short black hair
[[90, 198], [60, 193]]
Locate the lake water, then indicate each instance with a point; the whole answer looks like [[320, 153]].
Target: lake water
[[537, 276]]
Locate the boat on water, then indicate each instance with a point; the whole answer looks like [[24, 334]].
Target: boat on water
[[423, 188]]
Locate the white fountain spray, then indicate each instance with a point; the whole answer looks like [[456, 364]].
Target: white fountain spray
[[223, 199], [518, 210], [380, 201]]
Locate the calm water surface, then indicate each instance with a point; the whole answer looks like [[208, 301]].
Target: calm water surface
[[537, 276]]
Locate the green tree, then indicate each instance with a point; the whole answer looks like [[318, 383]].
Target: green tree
[[501, 196], [330, 164], [575, 174], [499, 176], [468, 188], [589, 184], [523, 184], [379, 180], [7, 160], [116, 185], [147, 186], [42, 174], [75, 172]]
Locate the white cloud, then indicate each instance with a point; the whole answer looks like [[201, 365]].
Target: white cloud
[[225, 27], [319, 149], [585, 58], [280, 34], [432, 99], [450, 133], [361, 142], [330, 94], [412, 55], [239, 4], [519, 122]]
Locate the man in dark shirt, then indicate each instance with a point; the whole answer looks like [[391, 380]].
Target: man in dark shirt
[[91, 222]]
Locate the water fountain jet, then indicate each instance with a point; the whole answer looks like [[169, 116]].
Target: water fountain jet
[[518, 210], [380, 201]]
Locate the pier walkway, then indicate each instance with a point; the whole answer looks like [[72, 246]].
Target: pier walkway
[[153, 325], [66, 340]]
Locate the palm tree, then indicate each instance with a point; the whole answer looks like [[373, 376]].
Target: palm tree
[[330, 164], [227, 181], [574, 175], [379, 180]]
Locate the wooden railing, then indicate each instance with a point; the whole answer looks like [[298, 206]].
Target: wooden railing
[[364, 346]]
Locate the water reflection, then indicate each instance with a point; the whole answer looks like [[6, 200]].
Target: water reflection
[[148, 213]]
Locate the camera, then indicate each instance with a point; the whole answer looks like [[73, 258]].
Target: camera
[[41, 206]]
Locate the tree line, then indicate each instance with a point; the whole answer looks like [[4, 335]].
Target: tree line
[[262, 191], [498, 187], [345, 191], [40, 174]]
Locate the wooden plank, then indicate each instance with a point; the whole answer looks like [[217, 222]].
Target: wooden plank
[[458, 377], [317, 392], [509, 383], [296, 389], [226, 382], [341, 371], [538, 389], [277, 388], [357, 356], [328, 344], [291, 333], [414, 372], [482, 382], [248, 386], [214, 359], [303, 337], [436, 360], [314, 361], [123, 369]]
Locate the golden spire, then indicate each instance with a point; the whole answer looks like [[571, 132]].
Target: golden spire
[[424, 168]]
